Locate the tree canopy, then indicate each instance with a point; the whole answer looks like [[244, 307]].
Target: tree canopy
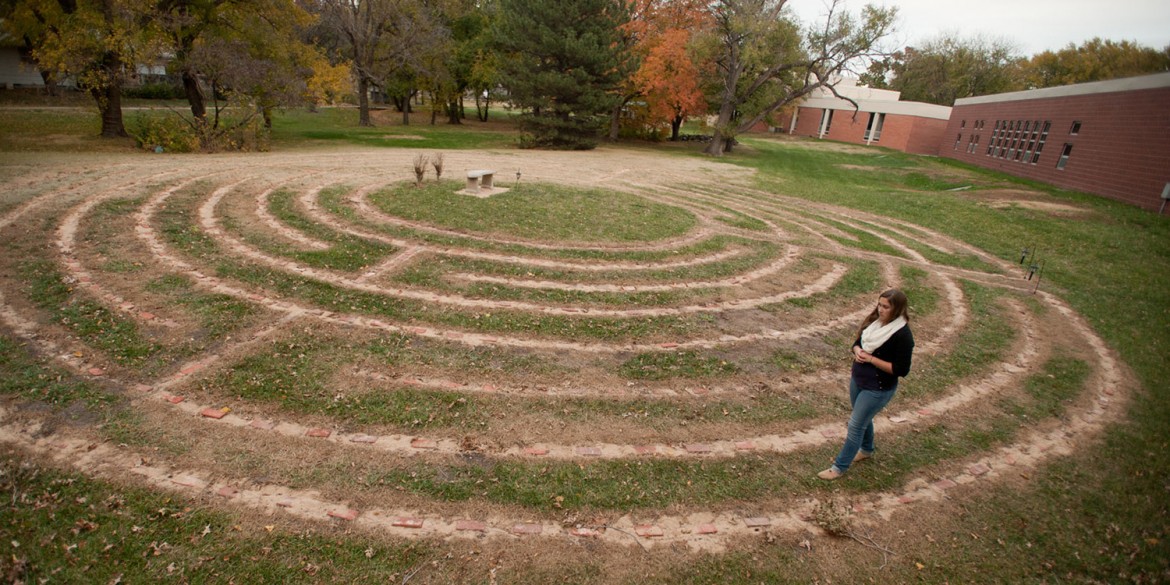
[[565, 65], [562, 62], [764, 63], [1095, 60]]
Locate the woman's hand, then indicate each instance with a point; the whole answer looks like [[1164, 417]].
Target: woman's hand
[[860, 355]]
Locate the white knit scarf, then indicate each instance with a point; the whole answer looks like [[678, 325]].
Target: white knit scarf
[[876, 334]]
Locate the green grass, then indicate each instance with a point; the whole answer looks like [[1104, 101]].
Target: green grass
[[176, 227], [94, 323], [301, 128], [538, 211], [35, 381], [862, 277], [218, 315], [69, 529], [679, 364], [1100, 516]]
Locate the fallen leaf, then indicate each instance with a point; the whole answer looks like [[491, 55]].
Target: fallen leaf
[[920, 566]]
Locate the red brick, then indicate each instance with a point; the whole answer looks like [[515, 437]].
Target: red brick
[[745, 446], [535, 451], [527, 529], [588, 451], [143, 387], [421, 443], [698, 448], [343, 514], [945, 484], [213, 413], [96, 371], [319, 433], [175, 399], [648, 530], [1120, 152], [645, 449], [668, 345], [228, 491], [706, 529], [408, 522], [978, 469], [757, 522], [470, 525]]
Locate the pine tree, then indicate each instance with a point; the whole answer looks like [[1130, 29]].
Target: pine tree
[[561, 62]]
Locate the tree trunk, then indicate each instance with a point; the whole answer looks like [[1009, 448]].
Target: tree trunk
[[675, 124], [721, 141], [195, 97], [364, 102], [615, 120], [109, 102], [453, 112], [50, 81]]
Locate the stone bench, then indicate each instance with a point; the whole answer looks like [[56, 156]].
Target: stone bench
[[481, 179]]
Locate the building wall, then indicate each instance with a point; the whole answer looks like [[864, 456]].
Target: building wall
[[15, 72], [1121, 151], [913, 134]]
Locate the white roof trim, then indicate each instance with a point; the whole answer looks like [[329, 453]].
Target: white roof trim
[[1158, 80], [883, 107]]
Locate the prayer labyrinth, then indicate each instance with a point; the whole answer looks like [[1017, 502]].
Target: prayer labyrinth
[[629, 349]]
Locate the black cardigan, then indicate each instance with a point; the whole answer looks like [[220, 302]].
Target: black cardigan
[[898, 350]]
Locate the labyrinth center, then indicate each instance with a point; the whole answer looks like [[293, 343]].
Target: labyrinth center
[[633, 350]]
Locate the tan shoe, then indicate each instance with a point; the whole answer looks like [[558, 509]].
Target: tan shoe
[[829, 474], [862, 456]]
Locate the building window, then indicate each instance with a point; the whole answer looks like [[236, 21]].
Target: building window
[[963, 124], [873, 130], [1040, 144], [958, 139], [1076, 128], [1064, 154]]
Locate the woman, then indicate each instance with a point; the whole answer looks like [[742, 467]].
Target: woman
[[881, 355]]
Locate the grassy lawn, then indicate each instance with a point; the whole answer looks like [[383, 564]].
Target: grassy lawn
[[1100, 516]]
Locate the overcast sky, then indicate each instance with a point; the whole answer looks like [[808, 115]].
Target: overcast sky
[[1032, 25]]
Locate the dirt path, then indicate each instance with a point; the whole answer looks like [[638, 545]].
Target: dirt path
[[61, 214]]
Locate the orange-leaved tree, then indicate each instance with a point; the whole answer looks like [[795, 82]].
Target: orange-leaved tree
[[669, 81], [657, 36]]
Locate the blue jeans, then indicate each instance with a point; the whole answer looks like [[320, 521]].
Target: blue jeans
[[866, 405]]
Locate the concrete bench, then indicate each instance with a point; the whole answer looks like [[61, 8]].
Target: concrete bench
[[481, 179]]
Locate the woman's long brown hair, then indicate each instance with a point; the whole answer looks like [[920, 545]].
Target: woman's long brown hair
[[898, 302]]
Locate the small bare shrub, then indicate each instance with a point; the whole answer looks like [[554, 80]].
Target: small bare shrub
[[420, 169], [437, 162]]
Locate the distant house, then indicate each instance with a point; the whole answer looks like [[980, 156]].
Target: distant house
[[1110, 138], [16, 70], [880, 119]]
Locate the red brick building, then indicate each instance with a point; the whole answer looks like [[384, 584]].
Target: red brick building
[[1110, 138], [880, 119]]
